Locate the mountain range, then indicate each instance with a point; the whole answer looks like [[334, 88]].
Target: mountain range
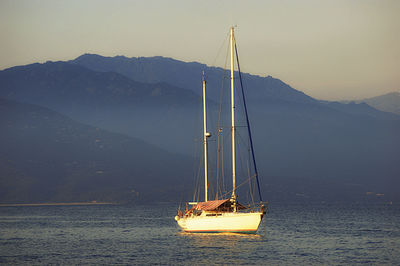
[[389, 102], [304, 146], [188, 76]]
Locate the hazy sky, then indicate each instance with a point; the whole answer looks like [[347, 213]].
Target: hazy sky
[[333, 49]]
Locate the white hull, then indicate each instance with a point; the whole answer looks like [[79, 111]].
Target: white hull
[[222, 222]]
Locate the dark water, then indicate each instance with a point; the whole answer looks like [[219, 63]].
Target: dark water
[[147, 234]]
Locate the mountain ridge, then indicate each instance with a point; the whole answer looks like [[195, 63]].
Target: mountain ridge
[[388, 102], [294, 140], [185, 74]]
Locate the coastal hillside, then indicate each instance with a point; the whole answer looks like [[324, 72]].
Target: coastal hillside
[[48, 157], [323, 147]]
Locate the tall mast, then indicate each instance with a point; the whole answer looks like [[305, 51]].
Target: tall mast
[[233, 119], [206, 135]]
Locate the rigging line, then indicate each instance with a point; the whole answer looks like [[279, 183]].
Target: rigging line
[[224, 143], [222, 162], [219, 154], [242, 143], [243, 183], [224, 76], [197, 185], [219, 129], [252, 188], [248, 123], [222, 88], [195, 171], [218, 163], [250, 183], [240, 155], [210, 187], [197, 154], [244, 159], [220, 48]]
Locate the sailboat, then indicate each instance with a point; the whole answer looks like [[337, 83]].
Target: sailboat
[[223, 215]]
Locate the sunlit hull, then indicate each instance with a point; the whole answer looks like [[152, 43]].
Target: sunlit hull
[[222, 222]]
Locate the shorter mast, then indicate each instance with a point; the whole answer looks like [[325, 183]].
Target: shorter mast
[[206, 135]]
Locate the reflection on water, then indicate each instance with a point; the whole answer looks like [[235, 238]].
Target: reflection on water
[[222, 240], [220, 235], [289, 234]]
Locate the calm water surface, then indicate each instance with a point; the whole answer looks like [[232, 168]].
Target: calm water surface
[[147, 234]]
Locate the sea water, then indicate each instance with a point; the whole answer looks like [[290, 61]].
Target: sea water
[[306, 233]]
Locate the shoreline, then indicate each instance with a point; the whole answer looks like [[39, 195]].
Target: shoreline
[[54, 204]]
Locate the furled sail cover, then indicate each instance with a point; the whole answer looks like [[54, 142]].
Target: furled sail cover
[[210, 205]]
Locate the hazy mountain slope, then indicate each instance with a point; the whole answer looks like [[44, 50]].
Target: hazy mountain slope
[[295, 140], [188, 76], [46, 156], [361, 109], [108, 100], [389, 102], [69, 85]]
